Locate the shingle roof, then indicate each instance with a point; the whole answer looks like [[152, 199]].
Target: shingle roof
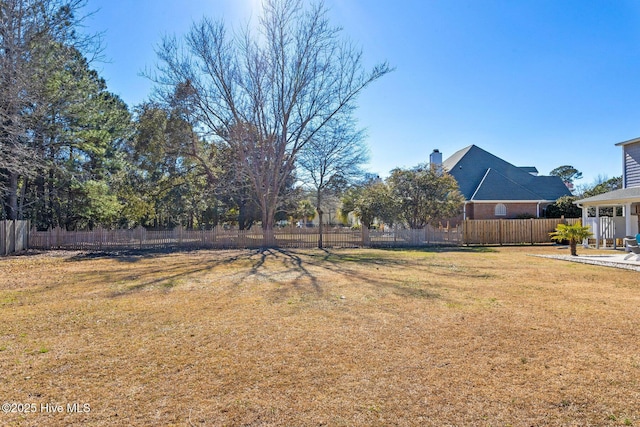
[[483, 176], [615, 197], [630, 141], [530, 169], [494, 185], [550, 187]]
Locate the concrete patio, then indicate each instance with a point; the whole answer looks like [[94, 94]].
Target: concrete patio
[[615, 259]]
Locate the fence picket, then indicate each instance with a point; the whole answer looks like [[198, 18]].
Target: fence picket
[[511, 231], [14, 236], [474, 232], [220, 238]]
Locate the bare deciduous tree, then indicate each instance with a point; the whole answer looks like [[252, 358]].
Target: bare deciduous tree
[[331, 160], [266, 93]]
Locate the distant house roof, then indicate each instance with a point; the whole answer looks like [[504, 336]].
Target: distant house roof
[[483, 176], [530, 169], [495, 185]]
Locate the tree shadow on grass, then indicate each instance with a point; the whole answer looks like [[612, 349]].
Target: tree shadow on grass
[[188, 268], [127, 255], [255, 264], [299, 266], [358, 266], [377, 262], [297, 270]]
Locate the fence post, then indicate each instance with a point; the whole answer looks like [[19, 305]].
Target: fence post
[[5, 238], [31, 231], [14, 243], [138, 231], [464, 232], [531, 230], [8, 236], [6, 226], [448, 233]]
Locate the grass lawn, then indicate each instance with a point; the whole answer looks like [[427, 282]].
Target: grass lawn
[[363, 337]]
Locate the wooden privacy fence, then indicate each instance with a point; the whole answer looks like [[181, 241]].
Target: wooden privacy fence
[[14, 236], [470, 232], [511, 231], [429, 236], [221, 238]]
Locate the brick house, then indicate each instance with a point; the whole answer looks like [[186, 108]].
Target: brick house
[[495, 189]]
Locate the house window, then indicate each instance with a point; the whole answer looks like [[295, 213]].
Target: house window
[[501, 210]]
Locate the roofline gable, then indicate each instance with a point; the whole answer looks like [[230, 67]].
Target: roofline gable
[[506, 178], [480, 185], [630, 141]]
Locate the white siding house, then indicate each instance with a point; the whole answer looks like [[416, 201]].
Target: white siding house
[[631, 169], [628, 198]]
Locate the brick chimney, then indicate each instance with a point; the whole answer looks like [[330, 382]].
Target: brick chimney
[[435, 160]]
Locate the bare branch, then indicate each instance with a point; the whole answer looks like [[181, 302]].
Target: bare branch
[[270, 93]]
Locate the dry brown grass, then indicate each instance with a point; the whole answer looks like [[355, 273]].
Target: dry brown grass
[[487, 337]]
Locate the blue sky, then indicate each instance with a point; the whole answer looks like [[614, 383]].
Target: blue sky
[[536, 82]]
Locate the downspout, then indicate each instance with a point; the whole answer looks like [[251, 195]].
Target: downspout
[[464, 211], [538, 209]]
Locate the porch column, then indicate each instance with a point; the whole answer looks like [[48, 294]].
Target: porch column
[[627, 219], [585, 215], [615, 214], [597, 231]]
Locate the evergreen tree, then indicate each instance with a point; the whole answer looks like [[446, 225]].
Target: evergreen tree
[[36, 37], [78, 130], [424, 195]]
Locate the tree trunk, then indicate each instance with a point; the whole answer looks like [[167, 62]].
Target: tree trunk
[[573, 246], [54, 205], [320, 227], [12, 204], [319, 210], [241, 216], [42, 207], [268, 237], [21, 199]]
